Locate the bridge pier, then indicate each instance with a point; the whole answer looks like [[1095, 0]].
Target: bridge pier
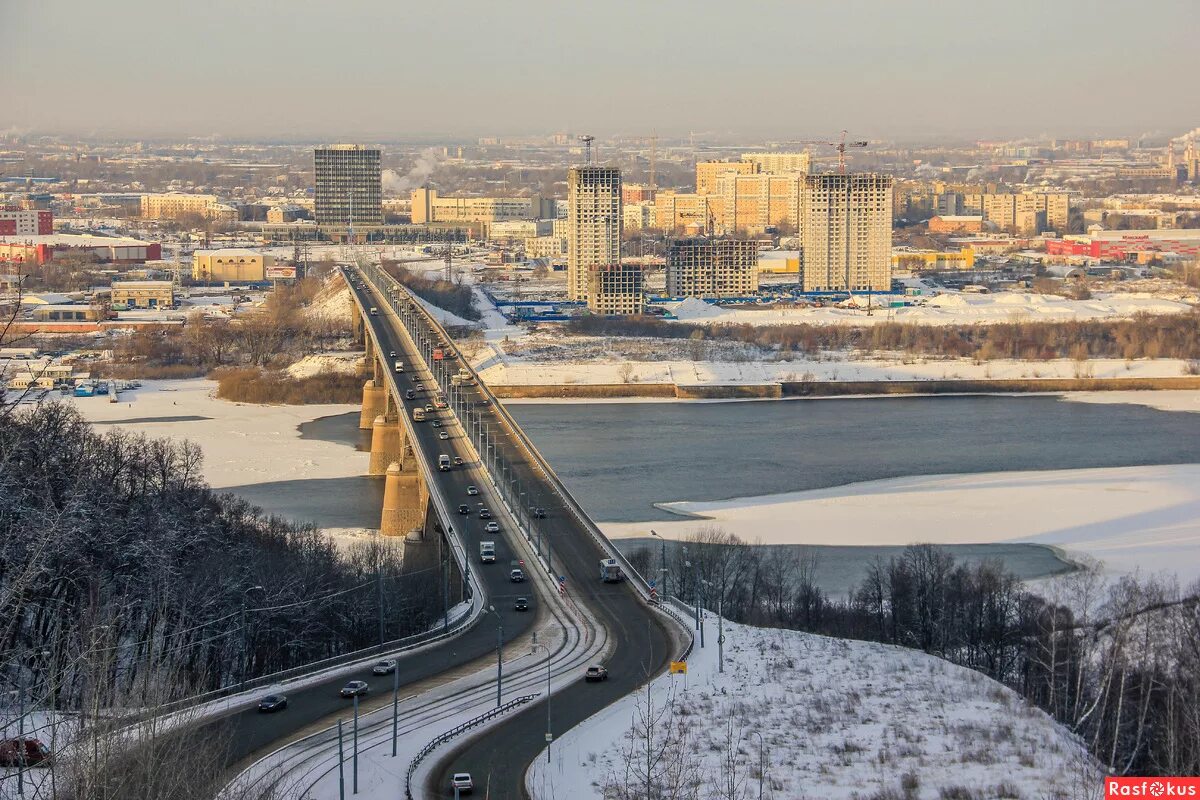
[[387, 444], [423, 547], [374, 403], [405, 501]]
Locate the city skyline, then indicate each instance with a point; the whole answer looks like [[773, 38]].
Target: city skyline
[[377, 72]]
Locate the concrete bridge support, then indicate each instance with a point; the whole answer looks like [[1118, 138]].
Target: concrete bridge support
[[405, 503], [374, 404], [387, 445], [424, 548]]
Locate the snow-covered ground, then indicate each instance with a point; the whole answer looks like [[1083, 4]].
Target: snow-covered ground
[[242, 443], [838, 719], [339, 363], [944, 309], [1134, 519]]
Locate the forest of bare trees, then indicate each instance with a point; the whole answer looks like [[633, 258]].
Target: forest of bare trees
[[1116, 662], [1146, 336]]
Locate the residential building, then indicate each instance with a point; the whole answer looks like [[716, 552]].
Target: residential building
[[780, 163], [15, 221], [173, 205], [230, 264], [554, 247], [712, 268], [636, 193], [429, 207], [288, 212], [955, 224], [638, 215], [143, 294], [846, 232], [616, 289], [675, 211], [593, 226], [349, 189], [707, 173], [753, 203], [1027, 212]]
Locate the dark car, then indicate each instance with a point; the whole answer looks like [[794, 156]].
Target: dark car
[[596, 672], [458, 462], [485, 514], [409, 394], [26, 752], [463, 509], [539, 512], [355, 689], [521, 604], [437, 423], [272, 702]]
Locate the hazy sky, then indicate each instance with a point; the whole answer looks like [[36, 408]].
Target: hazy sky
[[393, 69]]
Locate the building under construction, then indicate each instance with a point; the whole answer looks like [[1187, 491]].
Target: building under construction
[[593, 225], [711, 268], [616, 289]]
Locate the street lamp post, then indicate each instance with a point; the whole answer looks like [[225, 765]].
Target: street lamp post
[[246, 637], [549, 735], [720, 627], [662, 566], [762, 763]]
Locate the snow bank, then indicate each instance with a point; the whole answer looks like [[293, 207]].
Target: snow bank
[[839, 719], [1132, 518], [340, 363]]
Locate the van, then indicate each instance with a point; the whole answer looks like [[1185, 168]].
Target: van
[[374, 311], [487, 552], [418, 414], [399, 366], [443, 463]]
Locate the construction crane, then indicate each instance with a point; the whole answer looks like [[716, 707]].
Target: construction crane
[[587, 140], [840, 146]]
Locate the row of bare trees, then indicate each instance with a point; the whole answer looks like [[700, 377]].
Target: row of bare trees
[[1118, 663], [1144, 336]]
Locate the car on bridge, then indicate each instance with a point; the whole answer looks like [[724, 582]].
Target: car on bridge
[[463, 508], [517, 576], [437, 423], [461, 783], [521, 604], [409, 394], [385, 667], [458, 462], [492, 527], [442, 434], [484, 513], [472, 490], [355, 689], [539, 512], [596, 672], [391, 354], [271, 703]]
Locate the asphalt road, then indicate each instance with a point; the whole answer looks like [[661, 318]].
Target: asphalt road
[[254, 733], [498, 760]]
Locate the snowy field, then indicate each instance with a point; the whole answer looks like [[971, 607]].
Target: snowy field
[[944, 309], [242, 443], [1133, 519], [839, 719]]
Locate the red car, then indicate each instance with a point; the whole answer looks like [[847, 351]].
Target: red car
[[23, 752]]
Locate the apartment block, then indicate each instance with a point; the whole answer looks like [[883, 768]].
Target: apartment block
[[712, 268], [780, 163], [752, 203], [593, 226], [674, 211], [616, 289], [707, 173], [173, 205], [349, 189], [846, 232]]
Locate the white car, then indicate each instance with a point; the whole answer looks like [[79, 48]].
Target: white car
[[472, 491], [492, 527], [462, 782], [384, 667]]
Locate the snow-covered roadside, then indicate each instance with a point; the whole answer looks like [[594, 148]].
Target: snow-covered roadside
[[242, 443], [838, 718], [1133, 519]]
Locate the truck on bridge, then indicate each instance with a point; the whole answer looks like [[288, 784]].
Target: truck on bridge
[[610, 571]]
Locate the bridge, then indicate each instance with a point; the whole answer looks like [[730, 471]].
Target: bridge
[[560, 545]]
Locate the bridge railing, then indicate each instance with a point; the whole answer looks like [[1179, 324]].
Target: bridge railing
[[637, 580]]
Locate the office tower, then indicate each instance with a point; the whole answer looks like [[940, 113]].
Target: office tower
[[616, 289], [712, 268], [348, 188], [846, 232], [593, 225]]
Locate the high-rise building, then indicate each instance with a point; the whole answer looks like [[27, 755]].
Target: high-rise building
[[712, 268], [846, 232], [349, 191], [780, 163], [707, 173], [616, 289], [593, 225]]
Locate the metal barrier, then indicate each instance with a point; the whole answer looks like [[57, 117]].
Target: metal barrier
[[455, 732]]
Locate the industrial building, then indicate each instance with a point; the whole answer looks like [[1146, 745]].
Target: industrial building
[[846, 232], [908, 260], [349, 189], [593, 228], [232, 265], [430, 207], [143, 294], [616, 289], [1131, 245], [709, 268], [104, 249]]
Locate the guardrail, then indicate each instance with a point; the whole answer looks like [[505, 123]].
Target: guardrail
[[455, 732], [556, 483]]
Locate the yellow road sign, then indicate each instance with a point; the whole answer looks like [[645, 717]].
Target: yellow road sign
[[679, 666]]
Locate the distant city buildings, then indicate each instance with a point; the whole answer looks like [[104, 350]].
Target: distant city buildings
[[846, 232], [175, 205], [594, 238], [231, 264], [710, 268], [430, 207], [349, 188], [143, 294]]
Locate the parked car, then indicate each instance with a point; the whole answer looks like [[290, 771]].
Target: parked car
[[272, 702], [385, 667], [462, 782], [355, 689], [492, 527], [472, 491], [596, 672], [463, 509], [516, 576], [521, 604], [28, 752], [485, 514]]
